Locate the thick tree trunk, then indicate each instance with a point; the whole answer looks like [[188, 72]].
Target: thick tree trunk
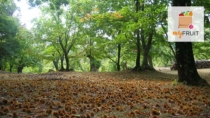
[[124, 65], [137, 67], [20, 69], [10, 67], [2, 66], [55, 63], [93, 67], [62, 66], [150, 61], [187, 71], [92, 64], [118, 57], [0, 63], [145, 64]]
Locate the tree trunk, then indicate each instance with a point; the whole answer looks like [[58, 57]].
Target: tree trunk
[[118, 57], [10, 67], [55, 63], [92, 64], [67, 62], [145, 64], [137, 66], [124, 65], [10, 64], [2, 66], [187, 71], [0, 63], [62, 67], [20, 69], [150, 61], [93, 67]]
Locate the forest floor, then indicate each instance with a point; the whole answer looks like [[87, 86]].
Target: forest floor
[[122, 94]]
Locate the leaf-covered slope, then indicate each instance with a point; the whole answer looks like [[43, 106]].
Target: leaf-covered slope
[[117, 94]]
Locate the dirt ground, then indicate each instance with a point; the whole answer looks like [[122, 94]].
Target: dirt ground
[[204, 73]]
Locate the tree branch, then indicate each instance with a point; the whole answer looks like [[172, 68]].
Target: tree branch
[[168, 42]]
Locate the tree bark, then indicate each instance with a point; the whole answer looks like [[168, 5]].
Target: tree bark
[[187, 71], [11, 64], [67, 61], [10, 67], [62, 67], [118, 57], [150, 61], [137, 66], [124, 65], [55, 62], [20, 69], [2, 65], [92, 64], [145, 64], [93, 67]]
